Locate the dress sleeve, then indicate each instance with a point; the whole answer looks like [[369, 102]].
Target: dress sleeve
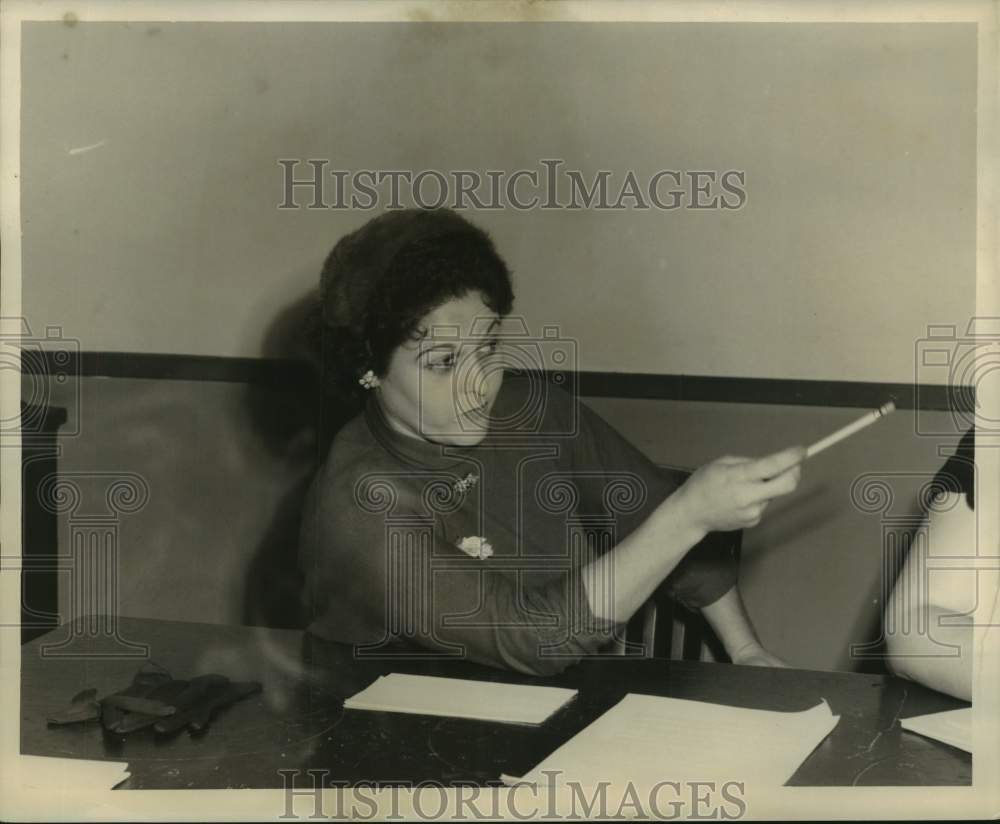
[[600, 455], [384, 577]]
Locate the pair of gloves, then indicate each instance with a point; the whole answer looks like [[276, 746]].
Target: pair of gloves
[[156, 699]]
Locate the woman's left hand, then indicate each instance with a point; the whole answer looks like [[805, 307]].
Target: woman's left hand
[[754, 655], [728, 618]]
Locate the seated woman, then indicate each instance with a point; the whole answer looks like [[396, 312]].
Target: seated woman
[[470, 513], [928, 618]]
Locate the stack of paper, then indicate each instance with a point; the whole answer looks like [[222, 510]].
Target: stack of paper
[[953, 727], [460, 698], [647, 739]]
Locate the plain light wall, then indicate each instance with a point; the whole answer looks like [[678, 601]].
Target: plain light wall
[[150, 181]]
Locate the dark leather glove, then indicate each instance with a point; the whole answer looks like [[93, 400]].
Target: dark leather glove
[[156, 699]]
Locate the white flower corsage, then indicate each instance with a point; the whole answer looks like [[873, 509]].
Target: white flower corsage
[[466, 483], [475, 546]]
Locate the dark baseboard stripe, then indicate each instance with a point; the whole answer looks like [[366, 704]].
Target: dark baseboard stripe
[[775, 391], [278, 372], [167, 367]]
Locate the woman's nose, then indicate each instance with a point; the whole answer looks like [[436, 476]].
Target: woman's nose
[[480, 383]]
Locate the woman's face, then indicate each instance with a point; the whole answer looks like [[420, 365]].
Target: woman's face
[[441, 388]]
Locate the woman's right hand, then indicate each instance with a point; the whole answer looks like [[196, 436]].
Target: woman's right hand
[[732, 492]]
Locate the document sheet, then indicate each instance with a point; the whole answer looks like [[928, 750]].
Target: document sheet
[[67, 774], [647, 739], [953, 727], [461, 698]]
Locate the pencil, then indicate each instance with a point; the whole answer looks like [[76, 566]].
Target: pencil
[[836, 437]]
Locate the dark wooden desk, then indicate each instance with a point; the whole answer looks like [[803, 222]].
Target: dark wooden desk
[[298, 721]]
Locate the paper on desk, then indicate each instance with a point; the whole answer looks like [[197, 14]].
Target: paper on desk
[[460, 698], [648, 739], [42, 772], [953, 727]]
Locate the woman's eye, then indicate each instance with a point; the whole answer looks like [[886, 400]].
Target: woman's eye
[[444, 365], [448, 363]]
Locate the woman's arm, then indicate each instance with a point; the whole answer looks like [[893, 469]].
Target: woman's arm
[[919, 645], [664, 540], [727, 494], [620, 581], [925, 658]]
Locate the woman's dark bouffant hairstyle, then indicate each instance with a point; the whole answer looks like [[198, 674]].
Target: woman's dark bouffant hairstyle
[[379, 281]]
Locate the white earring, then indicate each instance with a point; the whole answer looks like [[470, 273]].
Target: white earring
[[369, 380]]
